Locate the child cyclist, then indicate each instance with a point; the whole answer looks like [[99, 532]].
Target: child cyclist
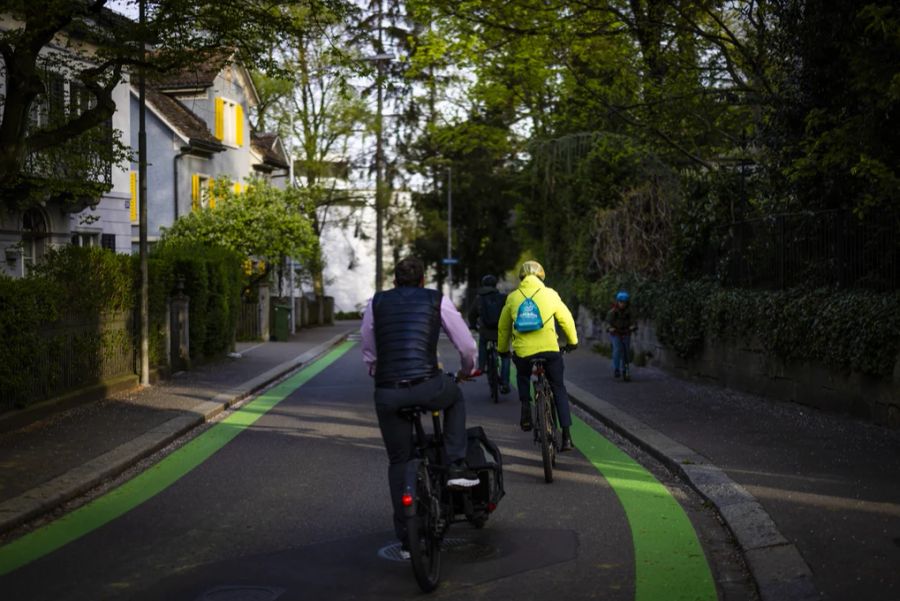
[[621, 325]]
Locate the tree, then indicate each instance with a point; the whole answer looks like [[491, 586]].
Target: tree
[[263, 223], [99, 47]]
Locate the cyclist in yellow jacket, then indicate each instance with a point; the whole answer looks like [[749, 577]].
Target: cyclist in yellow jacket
[[539, 343]]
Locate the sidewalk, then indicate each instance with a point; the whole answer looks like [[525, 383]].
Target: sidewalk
[[812, 499], [64, 454]]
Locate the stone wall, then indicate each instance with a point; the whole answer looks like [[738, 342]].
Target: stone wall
[[744, 365]]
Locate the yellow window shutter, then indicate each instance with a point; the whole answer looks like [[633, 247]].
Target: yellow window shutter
[[195, 192], [239, 125], [134, 195], [220, 118], [212, 196]]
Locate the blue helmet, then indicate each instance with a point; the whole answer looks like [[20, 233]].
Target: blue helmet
[[622, 296]]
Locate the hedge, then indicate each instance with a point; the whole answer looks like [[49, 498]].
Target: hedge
[[87, 283], [846, 330]]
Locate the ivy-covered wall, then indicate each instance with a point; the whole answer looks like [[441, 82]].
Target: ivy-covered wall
[[840, 340]]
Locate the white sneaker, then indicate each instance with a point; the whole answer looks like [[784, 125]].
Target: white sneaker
[[404, 554]]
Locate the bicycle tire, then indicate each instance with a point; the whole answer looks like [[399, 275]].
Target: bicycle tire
[[493, 376], [541, 402], [424, 541], [554, 432]]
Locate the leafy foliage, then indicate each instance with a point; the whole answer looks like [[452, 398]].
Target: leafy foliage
[[262, 222], [845, 330]]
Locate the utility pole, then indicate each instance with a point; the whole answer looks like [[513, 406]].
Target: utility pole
[[379, 60], [449, 233], [379, 181], [142, 205]]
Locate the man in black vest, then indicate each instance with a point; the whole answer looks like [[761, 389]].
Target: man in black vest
[[400, 332]]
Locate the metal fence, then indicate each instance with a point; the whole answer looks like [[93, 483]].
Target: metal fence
[[248, 322], [828, 248], [75, 354]]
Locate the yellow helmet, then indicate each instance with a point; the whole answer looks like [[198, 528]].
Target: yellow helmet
[[531, 268]]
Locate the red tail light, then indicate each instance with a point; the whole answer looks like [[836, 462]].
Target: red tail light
[[491, 507], [406, 499]]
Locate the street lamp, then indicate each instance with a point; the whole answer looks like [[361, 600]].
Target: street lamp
[[450, 259], [379, 60]]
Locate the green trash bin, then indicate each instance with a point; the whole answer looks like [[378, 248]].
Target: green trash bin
[[282, 322]]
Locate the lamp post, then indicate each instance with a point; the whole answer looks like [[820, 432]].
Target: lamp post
[[142, 207], [379, 60], [449, 233]]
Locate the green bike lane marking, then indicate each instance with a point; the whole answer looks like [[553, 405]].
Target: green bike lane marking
[[669, 560], [146, 485]]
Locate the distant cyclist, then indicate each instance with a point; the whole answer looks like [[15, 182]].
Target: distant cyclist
[[621, 325], [540, 343], [485, 315], [400, 330]]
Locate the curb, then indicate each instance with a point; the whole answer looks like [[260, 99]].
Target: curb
[[53, 493], [777, 567]]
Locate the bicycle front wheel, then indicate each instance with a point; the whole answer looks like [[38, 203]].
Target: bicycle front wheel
[[422, 534], [544, 425]]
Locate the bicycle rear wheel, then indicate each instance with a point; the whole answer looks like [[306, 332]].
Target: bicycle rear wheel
[[493, 376], [422, 534], [544, 425]]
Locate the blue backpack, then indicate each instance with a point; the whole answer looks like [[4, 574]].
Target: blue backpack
[[528, 317]]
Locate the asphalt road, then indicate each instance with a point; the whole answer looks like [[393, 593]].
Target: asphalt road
[[294, 505]]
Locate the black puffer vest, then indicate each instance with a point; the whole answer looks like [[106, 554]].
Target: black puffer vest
[[407, 326]]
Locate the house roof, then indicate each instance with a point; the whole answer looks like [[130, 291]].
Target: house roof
[[186, 123], [202, 75], [268, 146]]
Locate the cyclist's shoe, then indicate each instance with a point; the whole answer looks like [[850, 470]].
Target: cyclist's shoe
[[404, 551], [617, 373], [566, 441], [460, 476], [525, 420], [504, 389]]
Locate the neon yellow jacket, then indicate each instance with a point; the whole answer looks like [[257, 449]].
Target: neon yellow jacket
[[553, 311]]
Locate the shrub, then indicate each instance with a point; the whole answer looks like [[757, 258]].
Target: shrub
[[848, 330]]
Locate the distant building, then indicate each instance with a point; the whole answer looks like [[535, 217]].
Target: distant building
[[198, 132]]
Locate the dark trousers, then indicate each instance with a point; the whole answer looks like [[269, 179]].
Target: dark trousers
[[440, 392], [555, 372]]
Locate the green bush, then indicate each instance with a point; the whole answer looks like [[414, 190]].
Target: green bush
[[212, 278], [847, 330], [71, 283]]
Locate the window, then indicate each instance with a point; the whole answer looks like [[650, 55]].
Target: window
[[229, 125], [201, 192], [34, 237], [85, 239], [108, 241]]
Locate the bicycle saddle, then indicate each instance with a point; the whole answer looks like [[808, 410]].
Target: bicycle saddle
[[412, 411]]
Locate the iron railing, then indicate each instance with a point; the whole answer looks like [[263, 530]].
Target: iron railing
[[72, 354], [826, 248]]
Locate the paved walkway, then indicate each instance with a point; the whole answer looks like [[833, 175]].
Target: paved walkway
[[813, 499]]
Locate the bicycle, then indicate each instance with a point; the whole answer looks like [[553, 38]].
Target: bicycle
[[546, 428], [493, 374], [431, 506]]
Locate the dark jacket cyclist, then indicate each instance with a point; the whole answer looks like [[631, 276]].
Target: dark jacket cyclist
[[400, 332], [484, 314]]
